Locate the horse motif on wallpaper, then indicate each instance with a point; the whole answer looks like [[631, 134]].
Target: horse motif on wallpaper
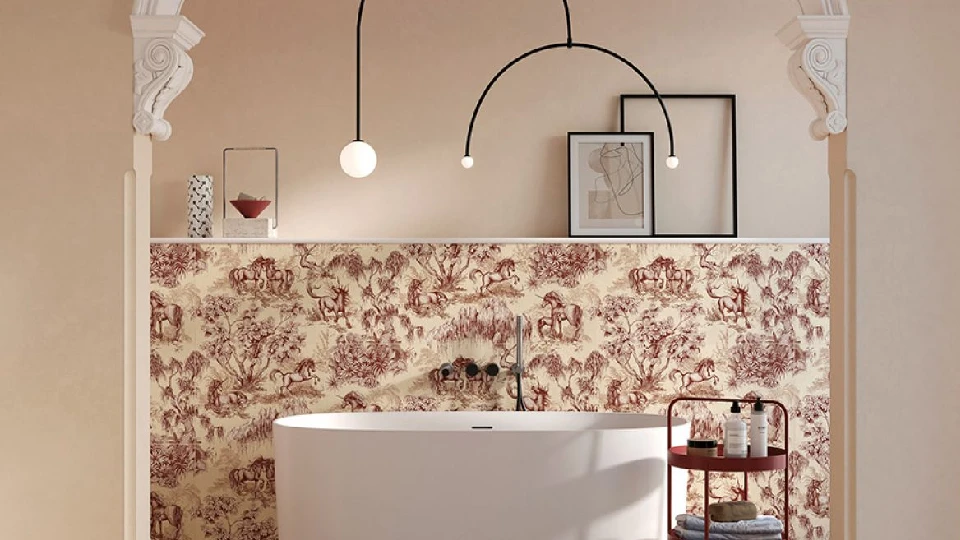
[[662, 274], [254, 333], [734, 304], [560, 312], [260, 475], [162, 513], [705, 372], [163, 312], [332, 305], [305, 372], [505, 272], [262, 274], [419, 300]]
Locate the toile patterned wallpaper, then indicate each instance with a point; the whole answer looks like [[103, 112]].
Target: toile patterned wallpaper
[[243, 334]]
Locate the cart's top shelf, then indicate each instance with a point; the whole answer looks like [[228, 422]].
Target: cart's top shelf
[[776, 460]]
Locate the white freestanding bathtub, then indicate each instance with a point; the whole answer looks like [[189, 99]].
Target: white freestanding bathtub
[[474, 476]]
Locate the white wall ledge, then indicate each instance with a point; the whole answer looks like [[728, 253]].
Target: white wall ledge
[[492, 241]]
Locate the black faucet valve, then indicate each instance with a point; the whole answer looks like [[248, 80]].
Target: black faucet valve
[[446, 370], [472, 370]]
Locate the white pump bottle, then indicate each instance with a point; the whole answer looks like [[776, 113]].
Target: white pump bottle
[[758, 430], [735, 434]]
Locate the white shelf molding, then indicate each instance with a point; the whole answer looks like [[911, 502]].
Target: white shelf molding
[[162, 68], [741, 241], [818, 67]]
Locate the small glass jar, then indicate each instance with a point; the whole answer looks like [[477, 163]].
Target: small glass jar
[[702, 447]]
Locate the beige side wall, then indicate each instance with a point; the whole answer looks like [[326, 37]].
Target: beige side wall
[[64, 147], [903, 144], [64, 139], [284, 77]]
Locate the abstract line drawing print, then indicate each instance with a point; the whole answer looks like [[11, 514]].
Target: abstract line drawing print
[[618, 184]]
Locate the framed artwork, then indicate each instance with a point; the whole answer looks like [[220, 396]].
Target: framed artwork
[[610, 178], [698, 200]]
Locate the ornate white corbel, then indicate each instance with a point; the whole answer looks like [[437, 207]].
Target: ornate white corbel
[[818, 67], [162, 68]]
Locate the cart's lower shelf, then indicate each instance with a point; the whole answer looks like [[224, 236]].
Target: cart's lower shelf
[[674, 536], [776, 460]]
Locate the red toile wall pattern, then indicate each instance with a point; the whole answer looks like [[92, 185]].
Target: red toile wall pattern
[[243, 334]]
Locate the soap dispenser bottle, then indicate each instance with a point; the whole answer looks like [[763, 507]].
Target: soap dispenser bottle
[[735, 434], [758, 430]]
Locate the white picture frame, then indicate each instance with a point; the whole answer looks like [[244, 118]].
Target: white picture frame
[[610, 182]]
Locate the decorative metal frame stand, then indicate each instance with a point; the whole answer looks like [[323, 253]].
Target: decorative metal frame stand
[[775, 460], [569, 44], [276, 178]]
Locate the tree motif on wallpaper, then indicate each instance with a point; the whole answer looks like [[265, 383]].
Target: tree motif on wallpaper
[[169, 263], [227, 518], [645, 342], [175, 448], [448, 265], [492, 321], [566, 264], [269, 331], [246, 344], [579, 382], [366, 362]]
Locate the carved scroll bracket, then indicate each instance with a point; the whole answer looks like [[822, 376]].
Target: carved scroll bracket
[[162, 68], [818, 68]]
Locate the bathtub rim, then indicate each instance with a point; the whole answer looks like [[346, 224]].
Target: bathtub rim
[[392, 422]]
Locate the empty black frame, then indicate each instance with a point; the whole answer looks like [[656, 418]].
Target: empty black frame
[[732, 98]]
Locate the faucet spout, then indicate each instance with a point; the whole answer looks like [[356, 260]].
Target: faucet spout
[[518, 367]]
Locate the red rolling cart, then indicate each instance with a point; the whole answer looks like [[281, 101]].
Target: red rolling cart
[[776, 460]]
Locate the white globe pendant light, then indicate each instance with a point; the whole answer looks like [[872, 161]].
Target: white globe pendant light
[[358, 159]]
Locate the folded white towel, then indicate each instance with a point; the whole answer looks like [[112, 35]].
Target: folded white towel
[[761, 525], [685, 534]]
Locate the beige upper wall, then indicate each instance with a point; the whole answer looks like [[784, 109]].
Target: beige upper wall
[[284, 77], [64, 146], [64, 137], [905, 131]]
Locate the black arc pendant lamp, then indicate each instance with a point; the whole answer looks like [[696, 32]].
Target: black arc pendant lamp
[[358, 159]]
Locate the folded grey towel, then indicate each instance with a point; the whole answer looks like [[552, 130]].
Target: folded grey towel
[[684, 534], [761, 525]]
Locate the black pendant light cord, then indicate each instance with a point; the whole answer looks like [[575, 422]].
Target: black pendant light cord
[[570, 44], [359, 41]]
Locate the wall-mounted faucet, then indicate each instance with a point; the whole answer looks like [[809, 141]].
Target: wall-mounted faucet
[[491, 369], [518, 365]]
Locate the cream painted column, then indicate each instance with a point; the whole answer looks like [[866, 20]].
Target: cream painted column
[[818, 69], [162, 69]]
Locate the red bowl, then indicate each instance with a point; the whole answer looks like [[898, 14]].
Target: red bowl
[[250, 209]]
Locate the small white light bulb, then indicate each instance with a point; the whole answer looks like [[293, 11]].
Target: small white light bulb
[[467, 162], [358, 159], [673, 162]]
